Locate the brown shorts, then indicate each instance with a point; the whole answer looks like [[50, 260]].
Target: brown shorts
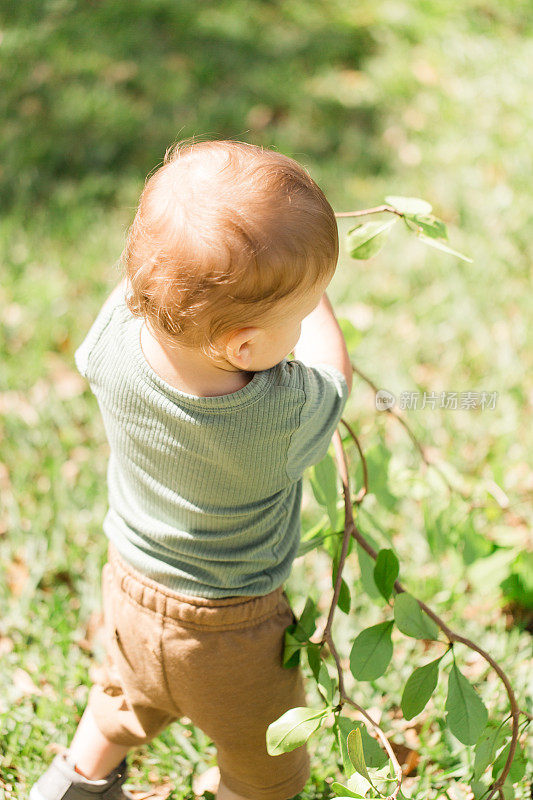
[[217, 661]]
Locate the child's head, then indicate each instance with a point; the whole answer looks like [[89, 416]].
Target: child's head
[[226, 235]]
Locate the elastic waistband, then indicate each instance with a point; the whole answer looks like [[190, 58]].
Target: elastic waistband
[[210, 612]]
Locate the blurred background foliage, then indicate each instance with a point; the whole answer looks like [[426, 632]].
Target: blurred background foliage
[[406, 97]]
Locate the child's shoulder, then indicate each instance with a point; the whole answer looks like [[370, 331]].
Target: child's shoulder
[[312, 380], [113, 309]]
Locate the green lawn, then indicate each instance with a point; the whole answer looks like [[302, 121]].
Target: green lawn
[[374, 98]]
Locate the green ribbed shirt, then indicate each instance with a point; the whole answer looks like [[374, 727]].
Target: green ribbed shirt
[[204, 493]]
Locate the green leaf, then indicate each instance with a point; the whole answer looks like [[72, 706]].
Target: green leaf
[[313, 658], [472, 544], [293, 729], [333, 545], [307, 623], [356, 754], [467, 715], [478, 789], [444, 247], [292, 647], [429, 225], [488, 572], [386, 571], [411, 620], [343, 791], [297, 634], [326, 684], [419, 688], [491, 739], [308, 545], [371, 652], [366, 566], [518, 764], [352, 336], [324, 484], [374, 756], [436, 530], [343, 726], [313, 530], [508, 790], [344, 600], [358, 784], [365, 240], [409, 205]]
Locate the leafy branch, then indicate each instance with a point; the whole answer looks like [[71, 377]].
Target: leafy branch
[[367, 239], [467, 716], [352, 530]]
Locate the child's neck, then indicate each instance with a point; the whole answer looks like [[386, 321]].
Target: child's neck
[[190, 371]]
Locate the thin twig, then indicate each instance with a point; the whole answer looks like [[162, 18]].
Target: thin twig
[[327, 637], [364, 490], [366, 211]]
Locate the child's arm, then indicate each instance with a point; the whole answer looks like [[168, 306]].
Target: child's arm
[[321, 341]]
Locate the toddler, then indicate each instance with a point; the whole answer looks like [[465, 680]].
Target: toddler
[[210, 428]]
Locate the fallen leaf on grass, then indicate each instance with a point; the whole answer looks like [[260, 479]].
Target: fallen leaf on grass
[[411, 762]]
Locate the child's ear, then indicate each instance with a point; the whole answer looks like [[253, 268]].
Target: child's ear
[[240, 347]]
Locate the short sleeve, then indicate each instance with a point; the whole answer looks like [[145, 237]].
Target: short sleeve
[[83, 353], [326, 394]]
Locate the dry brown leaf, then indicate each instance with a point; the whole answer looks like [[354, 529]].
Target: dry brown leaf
[[407, 758], [411, 762]]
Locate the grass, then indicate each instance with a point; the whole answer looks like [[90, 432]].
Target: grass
[[375, 99]]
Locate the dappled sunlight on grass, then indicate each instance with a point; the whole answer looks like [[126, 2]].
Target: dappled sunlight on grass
[[374, 98]]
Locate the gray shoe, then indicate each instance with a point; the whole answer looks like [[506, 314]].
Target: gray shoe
[[62, 782]]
